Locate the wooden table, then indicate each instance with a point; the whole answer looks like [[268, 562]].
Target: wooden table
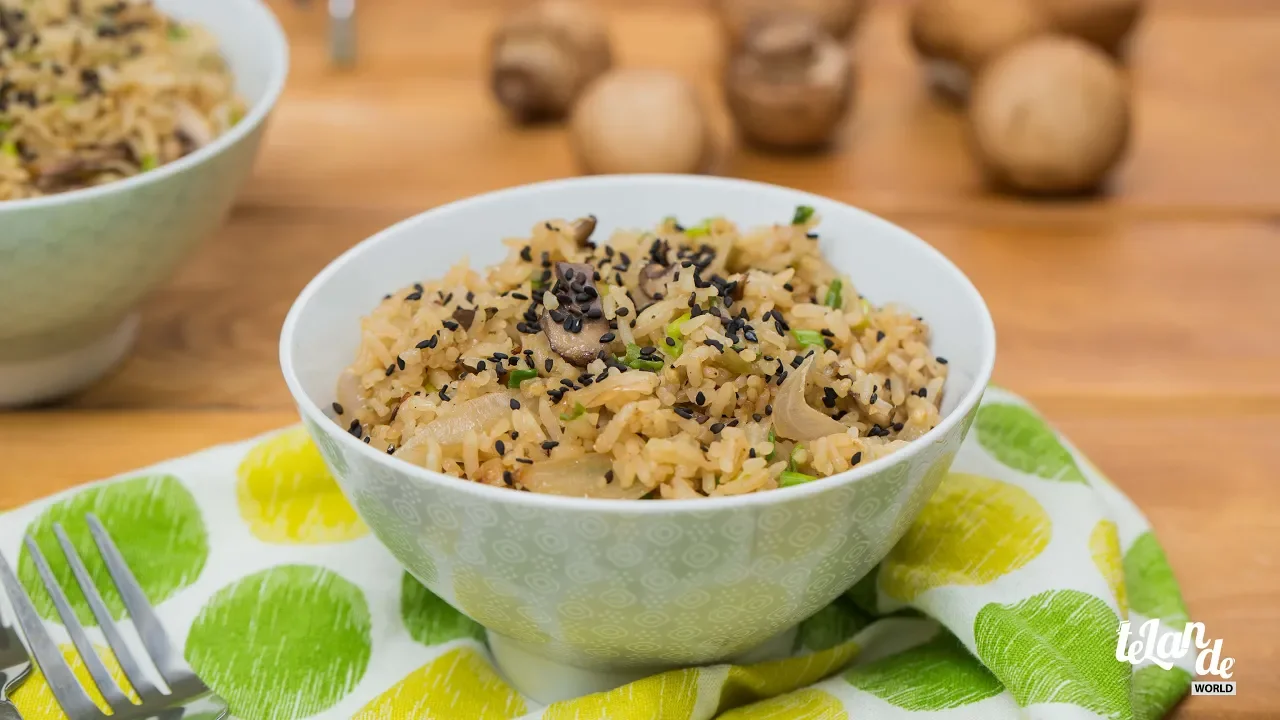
[[1143, 323]]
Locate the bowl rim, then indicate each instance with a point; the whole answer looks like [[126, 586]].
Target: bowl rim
[[479, 491], [256, 115]]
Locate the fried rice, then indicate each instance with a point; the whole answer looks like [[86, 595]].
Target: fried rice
[[93, 91], [674, 363]]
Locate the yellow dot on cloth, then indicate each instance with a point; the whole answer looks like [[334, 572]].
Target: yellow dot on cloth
[[670, 695], [35, 701], [1104, 545], [287, 496], [973, 530], [458, 684]]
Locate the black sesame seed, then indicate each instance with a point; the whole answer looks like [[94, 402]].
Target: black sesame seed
[[608, 475], [751, 453], [888, 383], [873, 399], [768, 409], [685, 413], [354, 428], [857, 458], [548, 364], [451, 325], [519, 296], [507, 477], [607, 337], [549, 445], [515, 434], [513, 361], [717, 427], [443, 396], [526, 461], [480, 366], [594, 313], [337, 408], [515, 404], [425, 344], [879, 335], [797, 361], [413, 296], [623, 312], [671, 341], [399, 362], [390, 369], [648, 350], [942, 360], [788, 287], [566, 382], [897, 427], [700, 398], [826, 333], [501, 447]]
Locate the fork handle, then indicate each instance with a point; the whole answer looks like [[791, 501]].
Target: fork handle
[[8, 711]]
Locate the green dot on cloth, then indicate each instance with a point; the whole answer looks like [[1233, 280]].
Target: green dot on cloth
[[1056, 647], [832, 625], [1150, 585], [1018, 438], [283, 643], [1156, 690], [152, 519], [431, 620], [938, 675]]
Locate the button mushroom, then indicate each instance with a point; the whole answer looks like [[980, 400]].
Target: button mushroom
[[837, 17], [652, 281], [957, 37], [544, 56], [634, 121], [575, 327], [581, 230], [1105, 23], [1050, 116], [791, 85]]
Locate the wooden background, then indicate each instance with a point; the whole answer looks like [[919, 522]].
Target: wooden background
[[1145, 323]]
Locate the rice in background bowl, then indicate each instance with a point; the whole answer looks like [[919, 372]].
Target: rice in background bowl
[[567, 583], [77, 263]]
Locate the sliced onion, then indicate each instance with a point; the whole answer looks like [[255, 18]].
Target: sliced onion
[[579, 477], [619, 386], [348, 393], [792, 416], [476, 415]]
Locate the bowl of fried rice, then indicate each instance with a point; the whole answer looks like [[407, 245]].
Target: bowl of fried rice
[[126, 129], [635, 422]]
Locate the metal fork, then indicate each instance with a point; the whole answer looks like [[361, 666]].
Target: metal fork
[[14, 666], [187, 695]]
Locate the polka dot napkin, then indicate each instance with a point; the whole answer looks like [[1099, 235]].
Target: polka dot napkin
[[1002, 601]]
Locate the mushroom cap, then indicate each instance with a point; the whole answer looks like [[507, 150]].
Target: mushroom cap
[[790, 85], [837, 17], [971, 32], [1105, 23], [544, 55], [633, 121], [1050, 116]]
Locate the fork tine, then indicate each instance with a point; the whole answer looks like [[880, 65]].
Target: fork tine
[[128, 663], [62, 683], [154, 638], [97, 670]]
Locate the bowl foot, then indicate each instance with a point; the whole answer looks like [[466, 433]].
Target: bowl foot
[[547, 681], [42, 377]]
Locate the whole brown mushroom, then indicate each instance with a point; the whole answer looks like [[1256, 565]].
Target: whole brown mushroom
[[1105, 23], [1050, 116], [634, 121], [957, 37], [543, 56], [837, 17], [791, 84]]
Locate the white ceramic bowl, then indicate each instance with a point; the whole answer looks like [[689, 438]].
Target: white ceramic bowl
[[624, 588], [74, 266]]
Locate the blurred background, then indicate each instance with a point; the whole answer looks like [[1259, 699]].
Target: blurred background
[[1141, 318]]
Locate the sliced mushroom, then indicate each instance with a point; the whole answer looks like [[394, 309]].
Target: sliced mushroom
[[582, 229], [68, 172], [575, 327], [465, 316], [653, 280], [192, 124]]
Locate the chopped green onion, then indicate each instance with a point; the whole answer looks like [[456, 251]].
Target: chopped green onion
[[9, 147], [176, 31], [809, 338], [730, 360], [791, 479], [5, 125], [148, 162], [673, 332], [633, 361], [429, 389], [866, 314], [515, 377], [773, 440], [833, 299], [577, 412], [235, 116], [702, 228], [803, 213], [536, 283], [791, 459]]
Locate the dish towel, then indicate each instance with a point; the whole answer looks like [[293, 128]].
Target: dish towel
[[1002, 601]]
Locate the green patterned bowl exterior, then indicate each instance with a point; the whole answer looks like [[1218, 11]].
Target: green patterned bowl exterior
[[73, 266], [616, 584]]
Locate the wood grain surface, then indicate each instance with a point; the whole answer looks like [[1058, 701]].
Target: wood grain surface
[[1145, 322]]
